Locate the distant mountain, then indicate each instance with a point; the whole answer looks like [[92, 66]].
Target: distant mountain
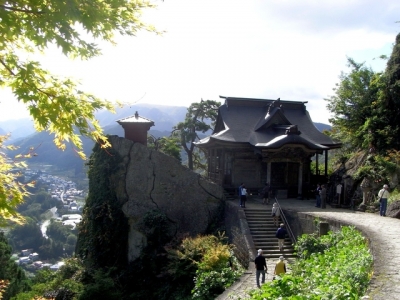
[[321, 126], [18, 128], [164, 117]]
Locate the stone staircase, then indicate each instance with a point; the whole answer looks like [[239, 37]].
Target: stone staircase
[[263, 231]]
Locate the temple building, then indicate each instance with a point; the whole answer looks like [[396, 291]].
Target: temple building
[[261, 140], [136, 128]]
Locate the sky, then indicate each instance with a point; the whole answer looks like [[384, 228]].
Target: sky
[[293, 50]]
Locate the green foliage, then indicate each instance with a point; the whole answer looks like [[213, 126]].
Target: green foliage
[[12, 191], [57, 105], [366, 106], [99, 244], [377, 168], [26, 236], [15, 276], [200, 117], [335, 266], [156, 227], [321, 167], [62, 235], [210, 261], [66, 283], [166, 145], [351, 104], [101, 286]]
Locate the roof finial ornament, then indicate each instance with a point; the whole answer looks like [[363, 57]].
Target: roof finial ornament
[[136, 115], [293, 129], [276, 103]]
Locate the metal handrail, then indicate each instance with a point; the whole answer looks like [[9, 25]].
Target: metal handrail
[[288, 229]]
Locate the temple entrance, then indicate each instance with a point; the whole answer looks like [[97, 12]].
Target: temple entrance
[[284, 177]]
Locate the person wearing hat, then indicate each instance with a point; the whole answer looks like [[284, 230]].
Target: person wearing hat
[[383, 195], [280, 267], [261, 267]]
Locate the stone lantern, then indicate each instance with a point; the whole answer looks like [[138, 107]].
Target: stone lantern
[[366, 188]]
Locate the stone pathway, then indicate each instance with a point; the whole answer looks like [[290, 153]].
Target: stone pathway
[[384, 236]]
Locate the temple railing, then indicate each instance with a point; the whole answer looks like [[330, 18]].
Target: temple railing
[[285, 221]]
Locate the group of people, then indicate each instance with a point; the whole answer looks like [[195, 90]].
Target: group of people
[[242, 191], [260, 261], [261, 267]]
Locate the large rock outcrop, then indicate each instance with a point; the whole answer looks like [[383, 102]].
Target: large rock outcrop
[[144, 181]]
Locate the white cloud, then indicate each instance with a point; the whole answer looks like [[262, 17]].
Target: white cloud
[[264, 49]]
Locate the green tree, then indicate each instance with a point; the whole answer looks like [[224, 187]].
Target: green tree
[[351, 105], [11, 271], [58, 232], [384, 126], [366, 106], [26, 236], [166, 145], [200, 117], [56, 104]]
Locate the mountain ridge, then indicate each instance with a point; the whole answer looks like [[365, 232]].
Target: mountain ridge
[[165, 117]]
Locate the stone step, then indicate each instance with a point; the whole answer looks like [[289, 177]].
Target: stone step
[[263, 230], [259, 228], [273, 241]]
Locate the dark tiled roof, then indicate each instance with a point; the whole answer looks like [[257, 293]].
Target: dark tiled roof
[[135, 119], [263, 123]]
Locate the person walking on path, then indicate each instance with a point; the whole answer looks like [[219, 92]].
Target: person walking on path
[[280, 267], [243, 196], [275, 213], [281, 234], [322, 195], [265, 193], [383, 195], [261, 267]]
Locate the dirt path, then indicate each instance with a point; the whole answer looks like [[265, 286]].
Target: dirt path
[[384, 236]]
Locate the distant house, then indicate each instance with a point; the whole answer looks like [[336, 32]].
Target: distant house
[[261, 140], [24, 260], [26, 252], [57, 266], [34, 256]]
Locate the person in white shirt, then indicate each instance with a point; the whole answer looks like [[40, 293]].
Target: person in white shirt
[[383, 196], [275, 213]]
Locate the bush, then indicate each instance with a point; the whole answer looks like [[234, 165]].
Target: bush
[[208, 262]]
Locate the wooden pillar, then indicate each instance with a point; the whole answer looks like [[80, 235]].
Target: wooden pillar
[[316, 164], [269, 173], [300, 181], [326, 163]]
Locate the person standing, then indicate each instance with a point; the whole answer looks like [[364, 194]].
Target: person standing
[[317, 196], [383, 195], [240, 194], [339, 193], [280, 267], [261, 267], [275, 213], [281, 235], [322, 195], [243, 196], [265, 193]]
